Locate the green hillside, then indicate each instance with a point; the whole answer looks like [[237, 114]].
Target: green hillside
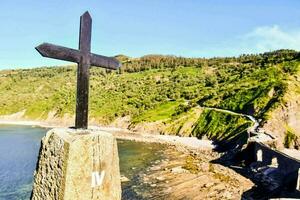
[[157, 88]]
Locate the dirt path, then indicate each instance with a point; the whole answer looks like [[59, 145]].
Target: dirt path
[[258, 133]]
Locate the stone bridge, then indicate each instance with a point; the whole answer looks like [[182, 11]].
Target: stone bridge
[[287, 166]]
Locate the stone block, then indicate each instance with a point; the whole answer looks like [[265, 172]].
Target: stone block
[[77, 164]]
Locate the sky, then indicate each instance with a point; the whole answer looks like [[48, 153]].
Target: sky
[[190, 28]]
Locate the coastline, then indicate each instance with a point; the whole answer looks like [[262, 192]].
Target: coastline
[[181, 143], [26, 123], [184, 169]]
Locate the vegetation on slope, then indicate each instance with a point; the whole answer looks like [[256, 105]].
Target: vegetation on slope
[[290, 138], [222, 127], [160, 88]]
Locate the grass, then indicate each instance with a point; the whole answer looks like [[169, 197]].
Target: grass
[[160, 88], [221, 126], [163, 111]]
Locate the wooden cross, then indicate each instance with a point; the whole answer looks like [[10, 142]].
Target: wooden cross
[[84, 58]]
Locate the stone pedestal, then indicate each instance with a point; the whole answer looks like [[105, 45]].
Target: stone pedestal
[[77, 164]]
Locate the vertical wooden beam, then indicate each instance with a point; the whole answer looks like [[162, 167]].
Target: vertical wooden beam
[[83, 71]]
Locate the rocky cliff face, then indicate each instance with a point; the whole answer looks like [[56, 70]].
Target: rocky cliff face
[[284, 121]]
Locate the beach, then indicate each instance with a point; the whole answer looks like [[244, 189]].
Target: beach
[[191, 143]]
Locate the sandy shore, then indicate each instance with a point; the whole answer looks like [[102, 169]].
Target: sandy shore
[[191, 143], [26, 123]]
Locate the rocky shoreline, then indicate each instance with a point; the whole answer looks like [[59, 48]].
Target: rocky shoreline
[[188, 175], [186, 169]]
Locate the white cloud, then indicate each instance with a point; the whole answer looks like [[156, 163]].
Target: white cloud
[[259, 40], [268, 38]]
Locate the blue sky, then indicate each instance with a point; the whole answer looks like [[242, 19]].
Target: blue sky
[[191, 28]]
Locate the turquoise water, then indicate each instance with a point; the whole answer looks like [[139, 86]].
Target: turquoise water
[[19, 147]]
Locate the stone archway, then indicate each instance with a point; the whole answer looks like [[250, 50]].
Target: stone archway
[[274, 162], [259, 155]]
